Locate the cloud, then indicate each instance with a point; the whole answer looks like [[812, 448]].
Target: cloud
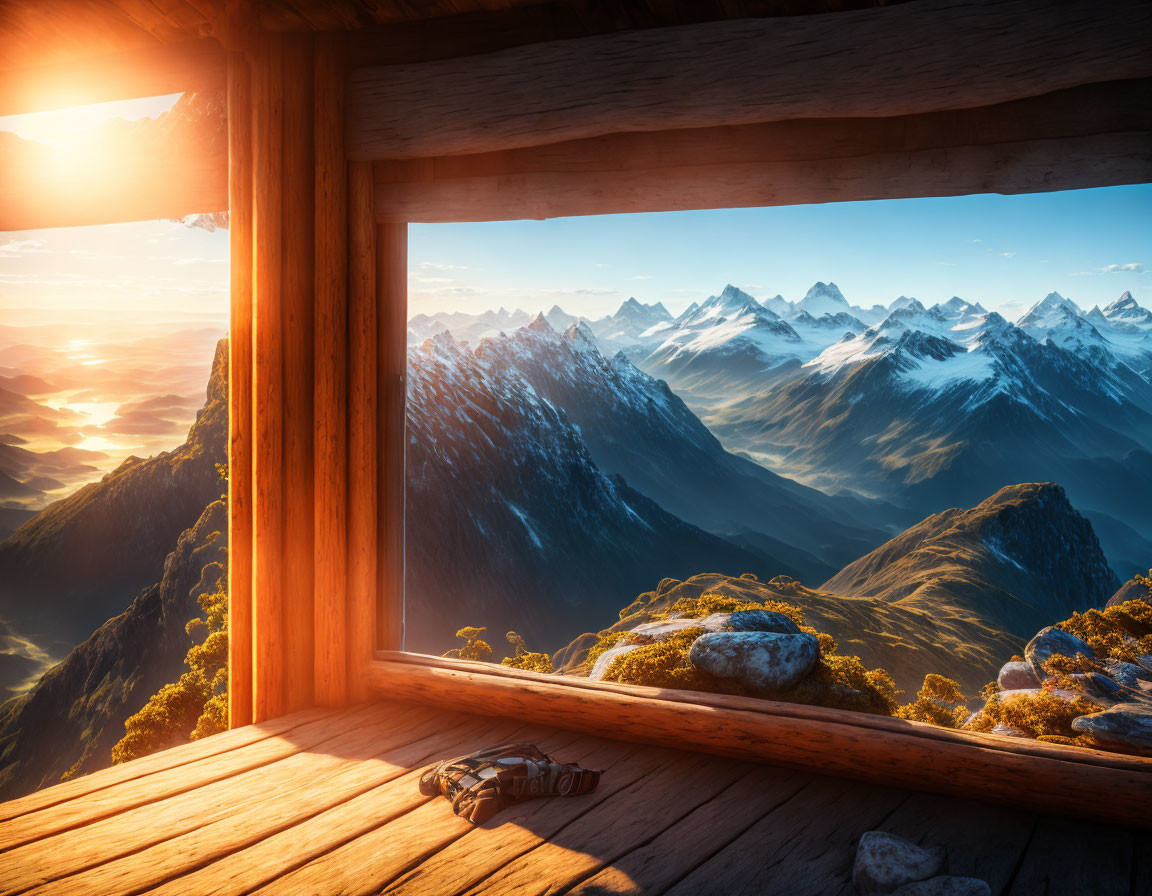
[[1007, 254], [589, 291], [1130, 268], [974, 241], [601, 264], [947, 264], [436, 266], [641, 277], [16, 248]]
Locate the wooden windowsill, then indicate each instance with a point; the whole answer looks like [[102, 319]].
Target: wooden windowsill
[[1090, 784]]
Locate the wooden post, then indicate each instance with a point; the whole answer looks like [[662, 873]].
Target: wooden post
[[363, 413], [297, 322], [330, 576], [268, 381], [392, 297], [240, 393]]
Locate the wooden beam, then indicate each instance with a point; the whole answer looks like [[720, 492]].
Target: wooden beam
[[38, 192], [331, 381], [298, 172], [268, 383], [364, 546], [392, 297], [240, 393], [1098, 135], [153, 71], [1062, 781], [900, 60]]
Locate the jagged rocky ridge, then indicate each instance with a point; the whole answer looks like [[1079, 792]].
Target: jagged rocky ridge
[[636, 427], [78, 562], [956, 594], [510, 523], [72, 717]]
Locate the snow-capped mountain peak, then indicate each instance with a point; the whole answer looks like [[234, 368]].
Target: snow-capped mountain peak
[[539, 323], [1127, 310], [1049, 312], [823, 298]]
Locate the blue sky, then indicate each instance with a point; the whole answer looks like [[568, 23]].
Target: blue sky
[[1004, 251]]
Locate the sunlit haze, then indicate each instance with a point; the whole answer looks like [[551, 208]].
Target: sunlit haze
[[1005, 252]]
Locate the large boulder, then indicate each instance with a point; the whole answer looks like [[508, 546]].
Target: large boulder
[[1128, 674], [1125, 725], [1017, 674], [761, 660], [738, 621], [885, 862], [946, 885], [1050, 642]]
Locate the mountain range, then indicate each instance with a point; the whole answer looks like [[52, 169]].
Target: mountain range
[[920, 407], [956, 594], [547, 485], [78, 562]]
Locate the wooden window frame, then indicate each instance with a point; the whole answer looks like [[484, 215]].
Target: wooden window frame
[[316, 479]]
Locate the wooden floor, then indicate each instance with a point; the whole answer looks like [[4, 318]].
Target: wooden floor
[[327, 802]]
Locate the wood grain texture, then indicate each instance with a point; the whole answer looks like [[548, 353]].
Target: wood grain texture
[[1033, 166], [240, 364], [331, 376], [899, 60], [1096, 792], [146, 71], [403, 850], [184, 754], [797, 850], [667, 793], [863, 721], [241, 870], [1102, 863], [330, 805], [104, 190], [364, 456], [56, 856], [360, 761], [268, 382], [82, 810], [658, 864], [392, 300], [297, 328]]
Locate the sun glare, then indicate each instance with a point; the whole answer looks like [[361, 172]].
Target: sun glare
[[63, 128]]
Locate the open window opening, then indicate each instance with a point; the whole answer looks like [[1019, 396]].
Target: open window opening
[[725, 452], [113, 442]]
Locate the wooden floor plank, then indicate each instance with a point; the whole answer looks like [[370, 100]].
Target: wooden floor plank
[[467, 856], [245, 869], [182, 755], [141, 791], [323, 789], [1072, 858], [660, 863], [804, 847], [370, 863], [982, 841], [625, 821], [70, 852], [328, 803]]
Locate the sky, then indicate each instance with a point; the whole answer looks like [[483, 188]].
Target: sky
[[109, 331], [1006, 252]]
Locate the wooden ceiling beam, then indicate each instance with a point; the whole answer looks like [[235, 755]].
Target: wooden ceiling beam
[[172, 186], [194, 65], [902, 60], [1098, 135]]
